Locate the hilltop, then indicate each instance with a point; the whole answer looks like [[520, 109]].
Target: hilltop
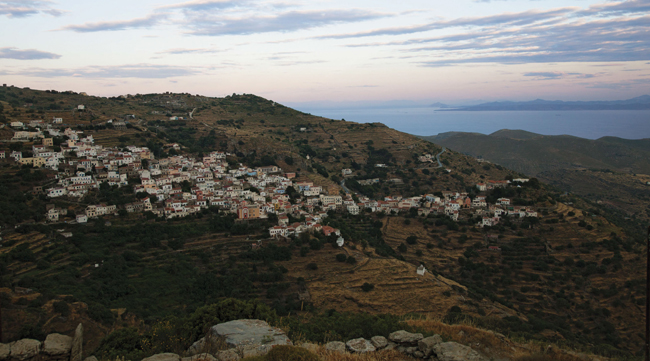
[[552, 267]]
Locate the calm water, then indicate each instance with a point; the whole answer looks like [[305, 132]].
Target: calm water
[[629, 124]]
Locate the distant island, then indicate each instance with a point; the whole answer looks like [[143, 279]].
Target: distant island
[[638, 103]]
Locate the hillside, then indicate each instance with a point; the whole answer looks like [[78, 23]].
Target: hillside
[[532, 154], [608, 170], [562, 272]]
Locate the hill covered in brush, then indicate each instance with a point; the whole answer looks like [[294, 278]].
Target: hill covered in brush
[[565, 270]]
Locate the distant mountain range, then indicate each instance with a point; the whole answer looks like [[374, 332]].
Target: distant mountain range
[[638, 103]]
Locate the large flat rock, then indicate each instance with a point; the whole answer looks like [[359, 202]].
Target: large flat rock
[[452, 351], [57, 344], [246, 333], [405, 337]]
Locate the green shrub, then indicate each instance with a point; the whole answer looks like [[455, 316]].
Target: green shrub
[[341, 257], [312, 266], [290, 353], [61, 307], [367, 287], [125, 342]]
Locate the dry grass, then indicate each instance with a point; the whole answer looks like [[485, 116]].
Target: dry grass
[[492, 343], [389, 355]]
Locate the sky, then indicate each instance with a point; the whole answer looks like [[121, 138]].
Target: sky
[[331, 51]]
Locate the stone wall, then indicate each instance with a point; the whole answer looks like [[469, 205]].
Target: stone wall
[[56, 347]]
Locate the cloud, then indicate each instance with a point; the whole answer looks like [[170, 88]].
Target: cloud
[[204, 5], [520, 18], [207, 24], [23, 8], [551, 75], [178, 51], [614, 39], [27, 54], [141, 71], [145, 22], [545, 75], [618, 8]]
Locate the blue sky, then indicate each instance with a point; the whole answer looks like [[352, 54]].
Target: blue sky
[[331, 51]]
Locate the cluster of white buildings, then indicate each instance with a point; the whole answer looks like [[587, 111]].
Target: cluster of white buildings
[[178, 186]]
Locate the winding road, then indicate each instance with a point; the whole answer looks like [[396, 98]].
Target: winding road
[[438, 157]]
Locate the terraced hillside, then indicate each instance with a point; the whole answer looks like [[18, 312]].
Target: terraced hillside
[[570, 275]]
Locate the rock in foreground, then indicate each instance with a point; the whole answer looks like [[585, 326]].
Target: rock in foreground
[[452, 351]]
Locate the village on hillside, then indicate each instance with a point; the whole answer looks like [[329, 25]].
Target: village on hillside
[[178, 186]]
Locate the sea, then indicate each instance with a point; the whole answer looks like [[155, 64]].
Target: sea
[[590, 124]]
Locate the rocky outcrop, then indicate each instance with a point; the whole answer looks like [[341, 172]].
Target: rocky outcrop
[[248, 338], [404, 337], [228, 355], [250, 332], [76, 353], [25, 349], [379, 342], [200, 357], [57, 346], [426, 345], [336, 346], [5, 350], [163, 357], [452, 351], [360, 345]]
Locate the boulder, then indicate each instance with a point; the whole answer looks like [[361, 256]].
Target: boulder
[[25, 349], [57, 344], [76, 353], [336, 346], [240, 333], [91, 358], [200, 357], [254, 350], [391, 346], [197, 347], [418, 354], [228, 355], [452, 351], [379, 342], [426, 344], [163, 357], [359, 345], [404, 337], [5, 350], [410, 350]]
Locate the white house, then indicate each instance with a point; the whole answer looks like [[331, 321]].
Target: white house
[[56, 192], [340, 242], [353, 209], [421, 270]]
